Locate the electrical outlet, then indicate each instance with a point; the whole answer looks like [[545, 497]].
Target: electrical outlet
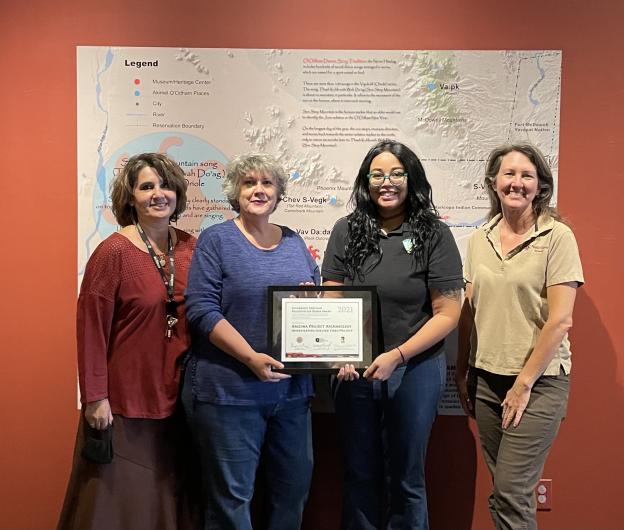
[[543, 492]]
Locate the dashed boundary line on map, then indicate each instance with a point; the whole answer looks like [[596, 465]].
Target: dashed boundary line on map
[[515, 96], [557, 111]]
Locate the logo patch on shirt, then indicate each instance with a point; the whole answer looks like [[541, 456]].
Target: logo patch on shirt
[[408, 244], [539, 248]]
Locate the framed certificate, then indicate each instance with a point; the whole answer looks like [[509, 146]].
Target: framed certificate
[[317, 329]]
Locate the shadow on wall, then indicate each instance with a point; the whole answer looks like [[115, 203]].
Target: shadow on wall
[[590, 436], [325, 502], [451, 474]]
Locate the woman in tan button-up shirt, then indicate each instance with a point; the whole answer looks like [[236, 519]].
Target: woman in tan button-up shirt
[[522, 270]]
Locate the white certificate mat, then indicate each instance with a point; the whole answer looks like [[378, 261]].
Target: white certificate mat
[[322, 329]]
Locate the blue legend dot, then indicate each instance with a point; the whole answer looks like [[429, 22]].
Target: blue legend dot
[[333, 200], [431, 86], [295, 175], [137, 92]]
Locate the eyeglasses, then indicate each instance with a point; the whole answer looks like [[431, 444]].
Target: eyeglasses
[[396, 178]]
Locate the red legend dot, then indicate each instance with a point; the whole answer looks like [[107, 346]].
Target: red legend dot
[[137, 81]]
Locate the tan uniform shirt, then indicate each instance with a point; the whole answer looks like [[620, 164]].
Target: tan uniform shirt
[[509, 301]]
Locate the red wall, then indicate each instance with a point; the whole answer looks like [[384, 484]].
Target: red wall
[[38, 191]]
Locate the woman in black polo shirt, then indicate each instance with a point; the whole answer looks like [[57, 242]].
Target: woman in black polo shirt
[[394, 240]]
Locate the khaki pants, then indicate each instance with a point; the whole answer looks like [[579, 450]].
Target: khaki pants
[[516, 456]]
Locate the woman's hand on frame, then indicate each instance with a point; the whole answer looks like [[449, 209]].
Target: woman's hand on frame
[[263, 366], [348, 373]]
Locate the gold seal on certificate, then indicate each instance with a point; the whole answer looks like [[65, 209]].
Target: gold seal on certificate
[[319, 329]]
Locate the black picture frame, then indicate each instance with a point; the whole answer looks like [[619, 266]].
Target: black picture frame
[[367, 324]]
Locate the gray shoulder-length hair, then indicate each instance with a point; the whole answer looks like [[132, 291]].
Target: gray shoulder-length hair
[[242, 165], [541, 202]]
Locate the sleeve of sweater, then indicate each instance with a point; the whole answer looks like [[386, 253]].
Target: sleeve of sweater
[[96, 308], [205, 284]]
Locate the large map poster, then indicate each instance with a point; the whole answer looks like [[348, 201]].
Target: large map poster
[[318, 112]]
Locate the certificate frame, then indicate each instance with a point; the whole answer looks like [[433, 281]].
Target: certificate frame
[[324, 348]]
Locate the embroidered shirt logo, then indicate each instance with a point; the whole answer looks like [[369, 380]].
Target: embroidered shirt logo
[[538, 249]]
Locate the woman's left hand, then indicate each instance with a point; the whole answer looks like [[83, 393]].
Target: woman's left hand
[[309, 294], [347, 373], [514, 405], [98, 414], [383, 366]]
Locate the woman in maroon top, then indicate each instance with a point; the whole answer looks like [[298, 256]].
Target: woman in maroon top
[[131, 331]]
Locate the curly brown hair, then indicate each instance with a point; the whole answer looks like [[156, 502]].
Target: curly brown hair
[[122, 187]]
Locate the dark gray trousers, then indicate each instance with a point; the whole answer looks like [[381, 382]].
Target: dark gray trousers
[[516, 456]]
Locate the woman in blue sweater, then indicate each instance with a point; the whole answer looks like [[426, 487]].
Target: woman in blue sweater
[[239, 409]]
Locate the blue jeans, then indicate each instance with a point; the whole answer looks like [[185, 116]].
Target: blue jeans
[[230, 440], [385, 430]]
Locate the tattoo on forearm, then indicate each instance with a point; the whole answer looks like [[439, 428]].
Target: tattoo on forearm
[[451, 294]]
